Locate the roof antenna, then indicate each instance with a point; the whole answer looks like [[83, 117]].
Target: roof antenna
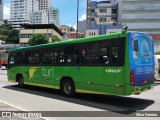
[[124, 29]]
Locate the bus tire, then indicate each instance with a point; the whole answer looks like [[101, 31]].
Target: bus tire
[[68, 88], [20, 81]]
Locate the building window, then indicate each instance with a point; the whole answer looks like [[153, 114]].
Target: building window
[[102, 19], [102, 10]]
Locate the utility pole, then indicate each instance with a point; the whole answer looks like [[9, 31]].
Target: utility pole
[[77, 18]]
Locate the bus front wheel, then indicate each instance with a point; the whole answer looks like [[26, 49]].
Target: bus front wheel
[[68, 88]]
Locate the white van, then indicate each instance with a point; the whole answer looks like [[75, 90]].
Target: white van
[[156, 68]]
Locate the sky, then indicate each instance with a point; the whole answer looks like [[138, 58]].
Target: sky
[[68, 10]]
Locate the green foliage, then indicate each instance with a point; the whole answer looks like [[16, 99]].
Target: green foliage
[[55, 39], [2, 37], [5, 21], [72, 28], [13, 37], [38, 39], [8, 34]]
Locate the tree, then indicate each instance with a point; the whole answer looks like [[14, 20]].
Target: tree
[[38, 39], [72, 28], [55, 39], [5, 21], [5, 29], [2, 37], [13, 37]]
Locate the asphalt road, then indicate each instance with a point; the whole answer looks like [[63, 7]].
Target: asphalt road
[[33, 98]]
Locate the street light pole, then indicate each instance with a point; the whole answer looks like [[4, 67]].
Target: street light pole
[[100, 25], [77, 18]]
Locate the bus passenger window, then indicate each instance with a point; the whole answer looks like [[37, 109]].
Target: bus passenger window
[[104, 55], [62, 57], [47, 57], [34, 57], [11, 60], [114, 55], [55, 57]]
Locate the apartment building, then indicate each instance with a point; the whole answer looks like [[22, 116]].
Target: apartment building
[[39, 17], [1, 10], [54, 16], [32, 12], [27, 31], [140, 15], [45, 5], [21, 11], [101, 18]]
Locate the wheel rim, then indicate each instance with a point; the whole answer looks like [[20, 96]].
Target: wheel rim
[[67, 88]]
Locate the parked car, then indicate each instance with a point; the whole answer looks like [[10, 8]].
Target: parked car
[[3, 68]]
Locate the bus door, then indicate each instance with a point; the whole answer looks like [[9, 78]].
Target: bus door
[[103, 66]]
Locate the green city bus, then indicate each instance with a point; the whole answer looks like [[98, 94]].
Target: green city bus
[[117, 64]]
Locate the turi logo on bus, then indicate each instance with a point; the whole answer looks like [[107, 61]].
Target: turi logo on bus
[[48, 72]]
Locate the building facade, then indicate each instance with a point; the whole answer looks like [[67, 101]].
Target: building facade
[[101, 18], [53, 15], [65, 30], [45, 5], [1, 10], [73, 35], [21, 12], [140, 15], [82, 26], [39, 17], [30, 12], [27, 31]]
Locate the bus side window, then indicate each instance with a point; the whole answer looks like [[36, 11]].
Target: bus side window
[[95, 54], [25, 58], [104, 57], [19, 58], [47, 56], [12, 59], [54, 57], [104, 54], [34, 57], [61, 56], [114, 55], [72, 55]]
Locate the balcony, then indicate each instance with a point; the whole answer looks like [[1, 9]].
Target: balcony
[[93, 23], [93, 4], [93, 14]]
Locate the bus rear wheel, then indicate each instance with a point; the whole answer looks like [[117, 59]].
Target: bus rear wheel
[[68, 88], [20, 81]]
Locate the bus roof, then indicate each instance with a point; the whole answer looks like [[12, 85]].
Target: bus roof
[[81, 40]]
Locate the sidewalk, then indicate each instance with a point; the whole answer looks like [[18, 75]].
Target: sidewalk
[[6, 110], [3, 72]]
